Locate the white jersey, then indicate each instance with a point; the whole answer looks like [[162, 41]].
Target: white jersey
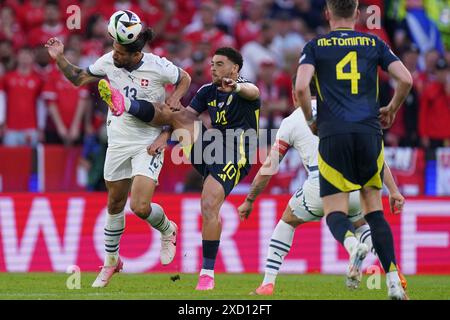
[[145, 82], [295, 132]]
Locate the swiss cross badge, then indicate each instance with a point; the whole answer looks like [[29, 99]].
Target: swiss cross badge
[[144, 83]]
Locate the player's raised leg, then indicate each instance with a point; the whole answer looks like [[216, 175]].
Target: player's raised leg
[[213, 196], [279, 246], [141, 194], [114, 227]]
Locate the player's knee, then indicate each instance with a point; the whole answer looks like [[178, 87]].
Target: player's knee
[[116, 206], [210, 211], [291, 219], [141, 208]]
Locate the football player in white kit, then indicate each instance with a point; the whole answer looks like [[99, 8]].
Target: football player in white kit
[[306, 204], [137, 75]]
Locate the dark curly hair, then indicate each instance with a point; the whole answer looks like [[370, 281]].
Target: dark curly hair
[[146, 36], [232, 54]]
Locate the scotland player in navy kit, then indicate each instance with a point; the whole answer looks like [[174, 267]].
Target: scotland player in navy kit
[[344, 65], [233, 105]]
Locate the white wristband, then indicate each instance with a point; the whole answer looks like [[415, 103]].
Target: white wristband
[[238, 88]]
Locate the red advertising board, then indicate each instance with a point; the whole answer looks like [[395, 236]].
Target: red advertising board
[[15, 168], [50, 232]]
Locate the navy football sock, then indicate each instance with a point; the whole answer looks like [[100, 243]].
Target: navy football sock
[[382, 240], [210, 249], [340, 226], [142, 110]]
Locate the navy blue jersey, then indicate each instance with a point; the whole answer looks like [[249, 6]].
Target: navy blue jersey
[[227, 110], [346, 78], [235, 117]]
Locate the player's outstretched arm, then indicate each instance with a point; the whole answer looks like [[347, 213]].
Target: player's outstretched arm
[[260, 182], [396, 199], [302, 91], [74, 74], [398, 71], [248, 91]]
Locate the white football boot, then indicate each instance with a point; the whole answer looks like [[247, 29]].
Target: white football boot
[[354, 273], [169, 246]]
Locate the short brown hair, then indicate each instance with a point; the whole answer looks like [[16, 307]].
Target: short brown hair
[[342, 8]]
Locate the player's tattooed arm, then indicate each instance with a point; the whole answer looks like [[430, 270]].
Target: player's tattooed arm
[[74, 74]]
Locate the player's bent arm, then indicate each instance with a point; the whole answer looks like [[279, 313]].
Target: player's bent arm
[[182, 86], [396, 199], [400, 73], [265, 173], [74, 74], [248, 91], [305, 73], [389, 181]]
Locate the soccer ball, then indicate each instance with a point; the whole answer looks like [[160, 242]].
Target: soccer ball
[[124, 26]]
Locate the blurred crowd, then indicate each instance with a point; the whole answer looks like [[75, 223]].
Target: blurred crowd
[[38, 105]]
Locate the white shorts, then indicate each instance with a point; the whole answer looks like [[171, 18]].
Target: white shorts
[[307, 205], [129, 161]]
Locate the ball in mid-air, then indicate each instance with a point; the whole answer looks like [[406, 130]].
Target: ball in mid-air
[[124, 26]]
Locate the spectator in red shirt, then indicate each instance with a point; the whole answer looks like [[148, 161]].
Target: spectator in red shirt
[[31, 13], [22, 89], [67, 107], [428, 75], [207, 31], [52, 27], [362, 25], [10, 28], [434, 115], [249, 28]]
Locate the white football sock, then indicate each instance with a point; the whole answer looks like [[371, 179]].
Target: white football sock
[[207, 272], [393, 277], [114, 227], [363, 234], [279, 246], [159, 220]]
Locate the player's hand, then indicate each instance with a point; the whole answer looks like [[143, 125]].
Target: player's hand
[[174, 104], [55, 47], [387, 117], [396, 202], [74, 134], [158, 145], [245, 209], [228, 85]]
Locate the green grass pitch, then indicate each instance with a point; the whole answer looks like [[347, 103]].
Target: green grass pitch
[[228, 286]]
